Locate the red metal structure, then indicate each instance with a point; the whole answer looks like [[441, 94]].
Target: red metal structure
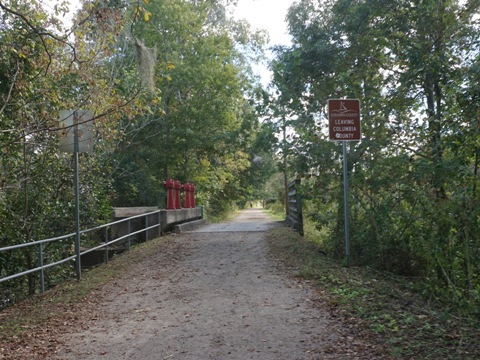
[[173, 194], [170, 186], [178, 188]]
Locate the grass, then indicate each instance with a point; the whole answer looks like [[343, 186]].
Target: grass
[[275, 215], [381, 307]]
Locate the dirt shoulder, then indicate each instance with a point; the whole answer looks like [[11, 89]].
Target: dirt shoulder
[[214, 293]]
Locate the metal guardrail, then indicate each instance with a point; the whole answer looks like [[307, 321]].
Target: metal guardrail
[[295, 214], [40, 244]]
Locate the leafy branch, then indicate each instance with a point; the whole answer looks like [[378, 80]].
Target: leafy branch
[[42, 34]]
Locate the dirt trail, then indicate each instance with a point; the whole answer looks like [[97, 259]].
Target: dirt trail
[[215, 295]]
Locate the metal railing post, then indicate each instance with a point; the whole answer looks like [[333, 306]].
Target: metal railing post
[[42, 271], [129, 231], [146, 227], [147, 232], [106, 245]]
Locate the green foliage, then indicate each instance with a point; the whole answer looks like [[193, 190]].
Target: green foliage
[[414, 176], [43, 71], [200, 127], [386, 309]]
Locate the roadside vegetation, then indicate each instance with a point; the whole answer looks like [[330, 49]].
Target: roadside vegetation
[[414, 177], [384, 309]]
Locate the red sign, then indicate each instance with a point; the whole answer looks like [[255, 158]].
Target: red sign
[[344, 119]]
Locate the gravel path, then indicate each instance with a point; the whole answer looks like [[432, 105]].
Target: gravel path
[[215, 295]]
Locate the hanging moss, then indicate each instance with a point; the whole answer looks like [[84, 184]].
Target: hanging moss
[[146, 58]]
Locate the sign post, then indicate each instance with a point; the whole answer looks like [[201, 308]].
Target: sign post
[[77, 197], [76, 137], [344, 125]]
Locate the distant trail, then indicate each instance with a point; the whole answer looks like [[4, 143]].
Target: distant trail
[[221, 298]]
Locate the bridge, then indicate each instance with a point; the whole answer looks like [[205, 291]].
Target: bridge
[[213, 293], [132, 224]]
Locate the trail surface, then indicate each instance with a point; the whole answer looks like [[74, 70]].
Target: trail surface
[[215, 294]]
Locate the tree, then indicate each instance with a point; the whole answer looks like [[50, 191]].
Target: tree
[[409, 63], [45, 68], [199, 130]]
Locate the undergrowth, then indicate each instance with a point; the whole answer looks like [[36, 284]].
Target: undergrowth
[[384, 307]]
